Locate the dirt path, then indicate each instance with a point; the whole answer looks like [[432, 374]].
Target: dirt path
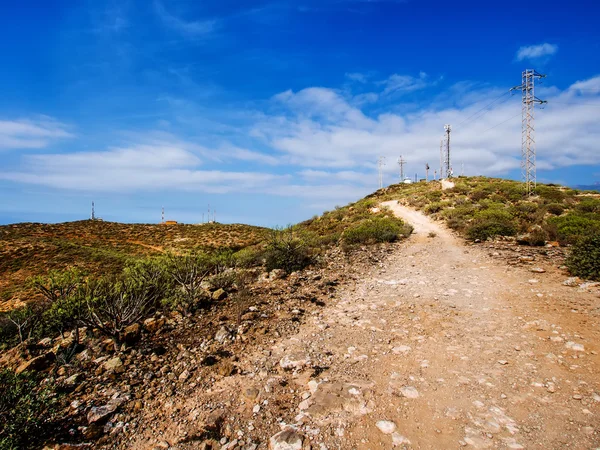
[[441, 347]]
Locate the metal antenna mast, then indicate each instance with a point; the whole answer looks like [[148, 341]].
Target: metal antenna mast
[[529, 100], [162, 217], [93, 212], [447, 164], [380, 164], [442, 145], [401, 162]]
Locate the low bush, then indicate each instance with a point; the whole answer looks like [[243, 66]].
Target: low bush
[[537, 237], [434, 207], [550, 193], [26, 410], [573, 226], [248, 257], [287, 250], [555, 209], [584, 260], [589, 205], [376, 230], [490, 223], [223, 280]]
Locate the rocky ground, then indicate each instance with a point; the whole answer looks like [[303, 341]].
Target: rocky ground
[[432, 343]]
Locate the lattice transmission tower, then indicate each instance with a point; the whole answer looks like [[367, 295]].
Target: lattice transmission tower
[[529, 100], [380, 164], [447, 164], [401, 163]]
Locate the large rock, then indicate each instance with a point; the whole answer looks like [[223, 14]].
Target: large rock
[[154, 325], [219, 294], [99, 413], [132, 334], [288, 439], [294, 362], [223, 335], [38, 363], [114, 364]]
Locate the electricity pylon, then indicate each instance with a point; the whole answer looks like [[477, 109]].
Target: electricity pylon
[[401, 162], [528, 171], [380, 164], [447, 165], [442, 146]]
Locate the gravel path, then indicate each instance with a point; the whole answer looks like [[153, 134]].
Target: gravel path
[[442, 347], [438, 346]]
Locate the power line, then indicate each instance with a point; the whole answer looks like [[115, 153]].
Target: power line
[[595, 105], [485, 107], [497, 125]]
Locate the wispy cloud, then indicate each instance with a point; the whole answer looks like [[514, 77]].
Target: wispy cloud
[[193, 29], [343, 137], [31, 133], [405, 83], [536, 51], [146, 166], [591, 85], [358, 77]]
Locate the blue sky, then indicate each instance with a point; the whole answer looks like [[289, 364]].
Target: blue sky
[[272, 111]]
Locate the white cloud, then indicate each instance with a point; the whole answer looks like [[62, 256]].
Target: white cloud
[[320, 144], [196, 28], [358, 77], [31, 133], [592, 86], [536, 51], [342, 137], [405, 83]]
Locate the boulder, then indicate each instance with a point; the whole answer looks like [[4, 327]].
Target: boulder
[[99, 413], [224, 334], [219, 294], [288, 439], [38, 363], [153, 325], [114, 364], [132, 333]]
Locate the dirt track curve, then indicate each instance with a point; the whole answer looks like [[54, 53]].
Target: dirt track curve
[[443, 347]]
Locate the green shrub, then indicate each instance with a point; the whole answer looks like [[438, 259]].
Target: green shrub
[[248, 257], [537, 237], [26, 410], [573, 226], [288, 251], [479, 194], [589, 205], [555, 208], [584, 260], [376, 230], [223, 280], [550, 193], [434, 207], [490, 223]]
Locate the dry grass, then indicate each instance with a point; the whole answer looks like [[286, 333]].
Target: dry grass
[[30, 249]]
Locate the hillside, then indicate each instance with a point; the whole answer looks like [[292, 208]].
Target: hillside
[[480, 208], [273, 344], [29, 249]]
